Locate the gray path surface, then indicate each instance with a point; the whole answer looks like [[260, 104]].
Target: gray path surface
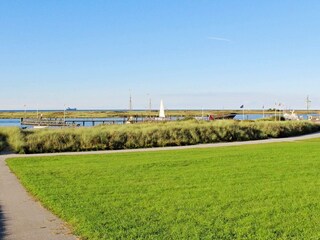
[[21, 217]]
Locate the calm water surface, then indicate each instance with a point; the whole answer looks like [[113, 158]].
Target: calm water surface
[[16, 122], [9, 122]]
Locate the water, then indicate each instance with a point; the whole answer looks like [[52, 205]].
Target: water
[[9, 122], [249, 116], [16, 122]]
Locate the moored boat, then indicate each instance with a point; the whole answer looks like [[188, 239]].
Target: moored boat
[[222, 116]]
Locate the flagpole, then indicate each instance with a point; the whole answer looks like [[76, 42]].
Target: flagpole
[[242, 106], [243, 113]]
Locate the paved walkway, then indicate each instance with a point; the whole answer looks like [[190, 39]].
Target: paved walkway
[[21, 217]]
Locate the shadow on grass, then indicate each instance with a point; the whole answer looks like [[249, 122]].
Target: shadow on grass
[[2, 225]]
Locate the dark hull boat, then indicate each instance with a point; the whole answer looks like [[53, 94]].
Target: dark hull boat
[[71, 109], [222, 116]]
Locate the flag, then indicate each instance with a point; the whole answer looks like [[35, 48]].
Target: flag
[[241, 106]]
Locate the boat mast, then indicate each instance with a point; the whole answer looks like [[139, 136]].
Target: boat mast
[[130, 101], [308, 101]]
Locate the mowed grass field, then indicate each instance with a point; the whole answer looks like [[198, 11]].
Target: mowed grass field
[[268, 191]]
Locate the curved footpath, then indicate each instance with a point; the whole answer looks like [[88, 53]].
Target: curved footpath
[[21, 217]]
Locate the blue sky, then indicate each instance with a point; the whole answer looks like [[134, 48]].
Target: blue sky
[[215, 54]]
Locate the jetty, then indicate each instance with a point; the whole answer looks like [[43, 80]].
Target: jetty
[[43, 122], [61, 122]]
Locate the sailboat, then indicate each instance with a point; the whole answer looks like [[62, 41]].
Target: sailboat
[[162, 116], [161, 112]]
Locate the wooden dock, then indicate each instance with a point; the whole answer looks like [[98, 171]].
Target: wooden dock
[[45, 122], [77, 122], [60, 122], [94, 121]]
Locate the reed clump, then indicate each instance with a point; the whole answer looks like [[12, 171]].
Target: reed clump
[[12, 138], [146, 135], [3, 141]]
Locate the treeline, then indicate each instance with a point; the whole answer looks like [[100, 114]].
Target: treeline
[[147, 135]]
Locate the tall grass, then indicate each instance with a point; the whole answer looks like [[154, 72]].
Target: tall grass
[[3, 141], [159, 135], [146, 135], [12, 138]]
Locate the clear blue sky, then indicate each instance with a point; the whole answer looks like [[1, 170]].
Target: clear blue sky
[[192, 54]]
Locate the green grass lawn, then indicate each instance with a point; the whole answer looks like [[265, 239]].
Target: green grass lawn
[[269, 191]]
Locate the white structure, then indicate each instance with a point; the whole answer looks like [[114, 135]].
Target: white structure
[[161, 112], [291, 117]]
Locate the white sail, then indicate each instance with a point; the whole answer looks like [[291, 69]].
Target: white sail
[[161, 112]]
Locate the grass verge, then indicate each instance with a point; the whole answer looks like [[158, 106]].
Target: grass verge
[[268, 191]]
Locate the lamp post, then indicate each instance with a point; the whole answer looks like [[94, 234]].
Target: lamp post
[[130, 101], [308, 101], [64, 113], [149, 104], [279, 111], [25, 110]]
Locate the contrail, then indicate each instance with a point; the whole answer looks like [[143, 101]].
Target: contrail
[[220, 39]]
